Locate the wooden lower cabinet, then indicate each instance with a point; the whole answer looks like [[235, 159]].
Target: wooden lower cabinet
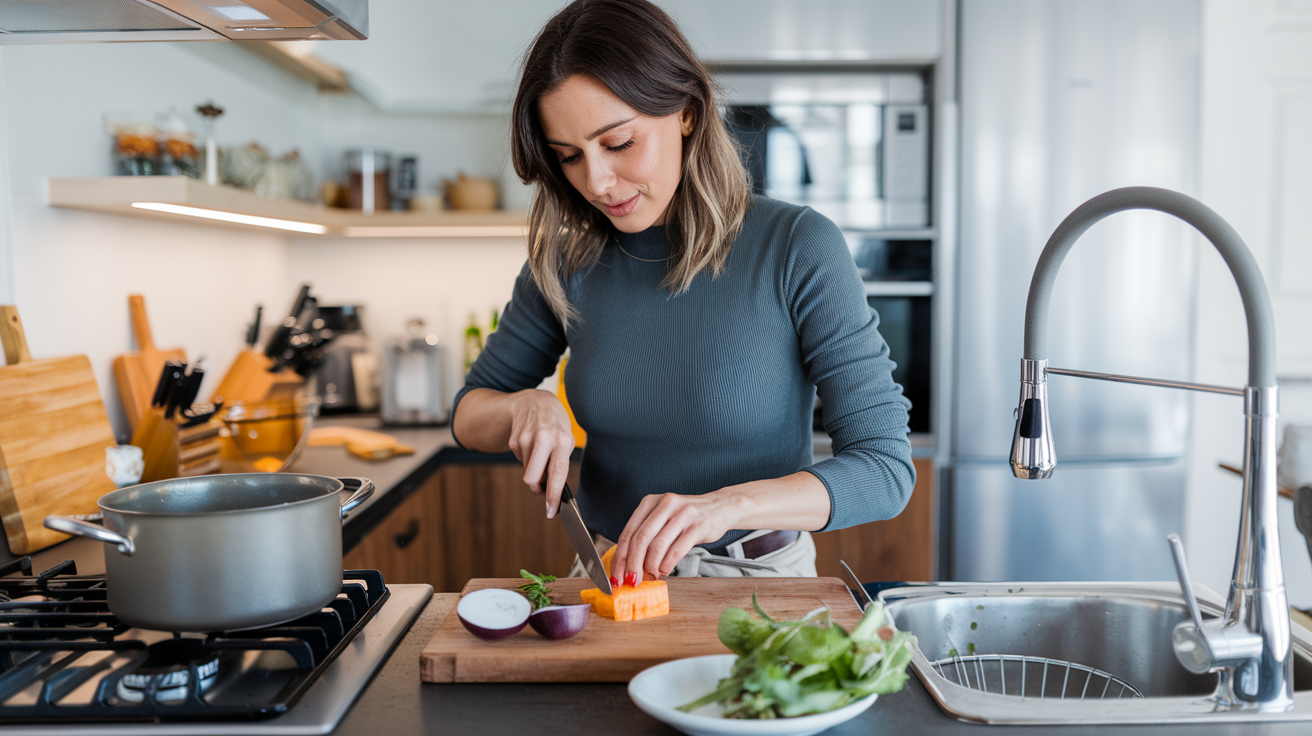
[[479, 520], [407, 546], [494, 526], [475, 520], [898, 549]]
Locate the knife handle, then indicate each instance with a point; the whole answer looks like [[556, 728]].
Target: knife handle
[[167, 378]]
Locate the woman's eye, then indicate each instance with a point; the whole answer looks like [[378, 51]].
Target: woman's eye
[[569, 159], [620, 147]]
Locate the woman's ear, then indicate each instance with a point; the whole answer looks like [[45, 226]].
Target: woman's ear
[[686, 120]]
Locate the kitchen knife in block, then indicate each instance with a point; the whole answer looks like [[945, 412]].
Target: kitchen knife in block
[[53, 435], [615, 651], [136, 372]]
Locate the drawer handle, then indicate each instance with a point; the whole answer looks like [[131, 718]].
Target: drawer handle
[[404, 539]]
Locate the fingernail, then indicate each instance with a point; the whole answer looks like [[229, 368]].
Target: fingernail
[[631, 579], [614, 582], [549, 510]]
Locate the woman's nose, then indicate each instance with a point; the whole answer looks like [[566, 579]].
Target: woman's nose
[[600, 176]]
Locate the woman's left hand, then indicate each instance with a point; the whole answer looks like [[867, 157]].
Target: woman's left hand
[[664, 528]]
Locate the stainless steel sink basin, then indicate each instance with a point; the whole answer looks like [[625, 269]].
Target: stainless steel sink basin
[[1118, 635]]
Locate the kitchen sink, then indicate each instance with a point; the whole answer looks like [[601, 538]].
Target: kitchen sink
[[1116, 638]]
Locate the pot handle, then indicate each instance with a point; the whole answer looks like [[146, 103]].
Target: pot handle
[[81, 528], [365, 490]]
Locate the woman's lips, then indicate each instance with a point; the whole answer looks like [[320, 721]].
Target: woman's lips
[[623, 208]]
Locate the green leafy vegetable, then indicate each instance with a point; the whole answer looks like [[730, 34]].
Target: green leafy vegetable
[[536, 589], [794, 668]]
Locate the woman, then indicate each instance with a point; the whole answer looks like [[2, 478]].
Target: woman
[[700, 322]]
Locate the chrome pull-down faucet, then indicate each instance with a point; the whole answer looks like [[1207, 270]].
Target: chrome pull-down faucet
[[1250, 646]]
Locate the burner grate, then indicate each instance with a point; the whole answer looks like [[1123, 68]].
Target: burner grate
[[58, 639]]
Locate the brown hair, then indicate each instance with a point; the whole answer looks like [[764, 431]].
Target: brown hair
[[637, 51]]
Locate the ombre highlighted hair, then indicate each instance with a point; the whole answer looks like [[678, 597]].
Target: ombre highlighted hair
[[638, 52]]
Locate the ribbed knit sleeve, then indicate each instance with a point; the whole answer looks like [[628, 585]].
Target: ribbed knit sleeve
[[523, 351], [870, 476]]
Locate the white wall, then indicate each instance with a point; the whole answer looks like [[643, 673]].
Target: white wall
[[477, 144], [1257, 173], [72, 271], [440, 280], [426, 56], [6, 259]]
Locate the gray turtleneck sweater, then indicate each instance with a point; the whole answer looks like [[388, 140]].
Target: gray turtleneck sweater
[[715, 387]]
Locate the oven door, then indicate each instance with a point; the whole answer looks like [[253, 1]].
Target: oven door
[[904, 322]]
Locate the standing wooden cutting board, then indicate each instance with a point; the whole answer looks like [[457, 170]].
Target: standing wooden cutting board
[[138, 372], [53, 435], [609, 651]]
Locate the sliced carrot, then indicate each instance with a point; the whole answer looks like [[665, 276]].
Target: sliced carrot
[[647, 600]]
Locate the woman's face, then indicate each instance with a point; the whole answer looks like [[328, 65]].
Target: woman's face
[[625, 163]]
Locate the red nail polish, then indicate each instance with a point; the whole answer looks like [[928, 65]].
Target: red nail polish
[[631, 579], [614, 582]]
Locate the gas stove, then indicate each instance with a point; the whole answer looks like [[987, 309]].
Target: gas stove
[[68, 666]]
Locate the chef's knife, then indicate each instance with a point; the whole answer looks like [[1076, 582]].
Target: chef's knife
[[253, 332], [278, 340], [582, 540]]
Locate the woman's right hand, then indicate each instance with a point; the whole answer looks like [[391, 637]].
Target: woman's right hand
[[541, 438]]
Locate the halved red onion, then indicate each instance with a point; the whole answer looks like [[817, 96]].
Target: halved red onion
[[493, 613], [560, 622]]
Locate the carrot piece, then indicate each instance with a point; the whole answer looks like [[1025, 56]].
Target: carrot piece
[[647, 600]]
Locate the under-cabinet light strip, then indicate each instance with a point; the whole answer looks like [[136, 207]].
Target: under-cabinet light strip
[[177, 209], [436, 231]]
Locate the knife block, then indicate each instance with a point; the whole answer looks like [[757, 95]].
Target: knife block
[[199, 450], [158, 439]]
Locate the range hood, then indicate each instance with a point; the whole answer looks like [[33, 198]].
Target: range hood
[[98, 21]]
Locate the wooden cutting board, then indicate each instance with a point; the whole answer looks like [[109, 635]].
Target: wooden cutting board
[[609, 651], [248, 380], [53, 435], [363, 443], [138, 372]]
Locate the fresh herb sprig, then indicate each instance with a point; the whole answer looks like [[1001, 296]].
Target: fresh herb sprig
[[536, 589]]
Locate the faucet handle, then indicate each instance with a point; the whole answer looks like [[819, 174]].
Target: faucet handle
[[1212, 646], [1186, 585]]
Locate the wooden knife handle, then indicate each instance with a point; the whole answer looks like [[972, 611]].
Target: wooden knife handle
[[11, 335], [140, 324]]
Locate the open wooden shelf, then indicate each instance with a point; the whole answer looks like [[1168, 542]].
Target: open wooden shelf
[[220, 205]]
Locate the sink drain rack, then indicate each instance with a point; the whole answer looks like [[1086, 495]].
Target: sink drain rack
[[1032, 677]]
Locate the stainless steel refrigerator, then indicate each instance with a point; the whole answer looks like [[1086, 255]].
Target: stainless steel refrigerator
[[1061, 101]]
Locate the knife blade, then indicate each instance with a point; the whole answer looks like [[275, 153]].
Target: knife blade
[[581, 538]]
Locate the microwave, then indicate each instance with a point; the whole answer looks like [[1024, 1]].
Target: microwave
[[854, 146]]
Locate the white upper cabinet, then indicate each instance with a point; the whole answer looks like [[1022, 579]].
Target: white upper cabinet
[[812, 30], [426, 56]]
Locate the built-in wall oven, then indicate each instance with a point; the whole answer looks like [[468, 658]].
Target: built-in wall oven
[[854, 146]]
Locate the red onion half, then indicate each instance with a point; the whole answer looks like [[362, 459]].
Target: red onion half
[[493, 613]]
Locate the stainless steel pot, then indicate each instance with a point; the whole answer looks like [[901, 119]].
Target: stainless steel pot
[[222, 552]]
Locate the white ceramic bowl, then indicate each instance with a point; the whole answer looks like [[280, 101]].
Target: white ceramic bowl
[[660, 690]]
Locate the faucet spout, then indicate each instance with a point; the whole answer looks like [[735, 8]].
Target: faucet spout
[[1032, 454], [1257, 607]]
